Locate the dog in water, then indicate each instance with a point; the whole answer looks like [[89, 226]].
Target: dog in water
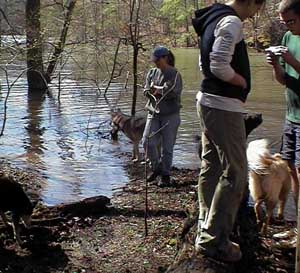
[[13, 199], [269, 181], [132, 126]]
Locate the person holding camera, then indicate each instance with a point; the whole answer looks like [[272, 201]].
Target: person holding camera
[[285, 61], [163, 89]]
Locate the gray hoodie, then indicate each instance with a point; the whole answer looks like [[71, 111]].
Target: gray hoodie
[[171, 81]]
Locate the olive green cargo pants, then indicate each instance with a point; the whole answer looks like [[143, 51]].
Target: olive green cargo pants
[[223, 175]]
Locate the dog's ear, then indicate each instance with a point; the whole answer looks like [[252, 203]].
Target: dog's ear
[[252, 121], [255, 117]]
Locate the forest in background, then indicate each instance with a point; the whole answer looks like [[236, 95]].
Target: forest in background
[[107, 40], [104, 42], [167, 21]]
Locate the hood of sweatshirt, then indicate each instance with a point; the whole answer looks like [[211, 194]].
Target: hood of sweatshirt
[[205, 16]]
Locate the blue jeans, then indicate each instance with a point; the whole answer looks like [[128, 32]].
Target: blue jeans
[[166, 137]]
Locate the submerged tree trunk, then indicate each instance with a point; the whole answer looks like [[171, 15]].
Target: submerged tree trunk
[[35, 73]]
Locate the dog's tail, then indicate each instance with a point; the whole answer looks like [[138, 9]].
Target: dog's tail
[[259, 156]]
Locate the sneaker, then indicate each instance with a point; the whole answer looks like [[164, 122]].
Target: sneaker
[[285, 234], [232, 253], [165, 181]]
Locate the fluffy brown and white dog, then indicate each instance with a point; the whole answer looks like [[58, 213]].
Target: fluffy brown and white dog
[[269, 181], [132, 126]]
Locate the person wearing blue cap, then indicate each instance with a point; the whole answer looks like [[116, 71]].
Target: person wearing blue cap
[[163, 89]]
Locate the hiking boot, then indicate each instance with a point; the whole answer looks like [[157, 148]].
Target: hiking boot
[[164, 181], [232, 253], [153, 176]]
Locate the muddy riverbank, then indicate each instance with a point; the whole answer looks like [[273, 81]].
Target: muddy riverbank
[[112, 239]]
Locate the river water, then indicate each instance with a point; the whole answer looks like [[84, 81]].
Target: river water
[[66, 141]]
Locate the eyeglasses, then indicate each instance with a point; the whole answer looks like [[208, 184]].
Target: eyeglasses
[[288, 23]]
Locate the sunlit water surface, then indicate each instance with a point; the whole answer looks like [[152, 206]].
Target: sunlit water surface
[[67, 140]]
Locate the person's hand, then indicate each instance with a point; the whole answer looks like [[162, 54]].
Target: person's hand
[[149, 94], [288, 57], [272, 59], [239, 81], [243, 83], [155, 93]]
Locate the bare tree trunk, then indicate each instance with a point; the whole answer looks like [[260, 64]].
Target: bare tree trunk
[[135, 79], [175, 30], [186, 24], [1, 20], [7, 27], [84, 22], [35, 72], [97, 36], [61, 43], [135, 6], [0, 28]]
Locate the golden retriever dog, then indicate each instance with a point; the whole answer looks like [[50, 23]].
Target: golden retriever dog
[[269, 181]]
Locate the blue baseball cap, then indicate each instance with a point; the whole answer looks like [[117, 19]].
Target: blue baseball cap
[[159, 52]]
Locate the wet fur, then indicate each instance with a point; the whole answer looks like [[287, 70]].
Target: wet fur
[[269, 182], [132, 126], [14, 199]]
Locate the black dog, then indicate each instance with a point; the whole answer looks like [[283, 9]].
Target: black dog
[[14, 199], [252, 121]]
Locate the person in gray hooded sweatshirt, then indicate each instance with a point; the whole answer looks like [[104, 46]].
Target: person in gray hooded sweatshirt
[[163, 89], [223, 93]]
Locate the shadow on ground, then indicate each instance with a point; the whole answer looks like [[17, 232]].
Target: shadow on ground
[[39, 253]]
